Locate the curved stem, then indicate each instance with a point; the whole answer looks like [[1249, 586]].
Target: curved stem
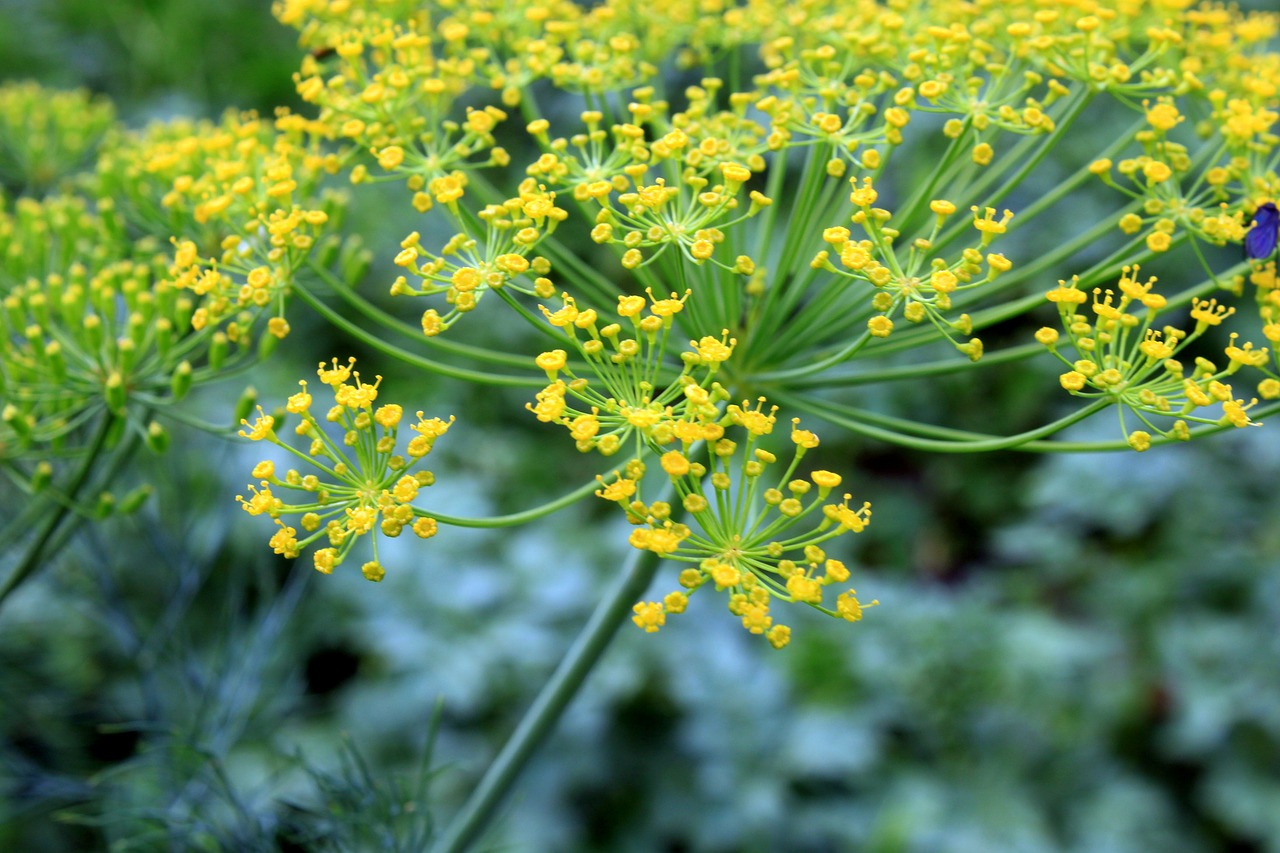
[[395, 324], [374, 342], [890, 429], [916, 371], [467, 825], [524, 516], [957, 441]]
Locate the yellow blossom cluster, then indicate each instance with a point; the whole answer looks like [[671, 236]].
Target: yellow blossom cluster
[[921, 286], [1173, 191], [241, 200], [756, 535], [842, 85], [943, 125], [466, 268], [359, 485], [703, 163], [631, 396], [692, 215], [1123, 357], [387, 81]]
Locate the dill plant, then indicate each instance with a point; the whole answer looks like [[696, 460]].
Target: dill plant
[[709, 213]]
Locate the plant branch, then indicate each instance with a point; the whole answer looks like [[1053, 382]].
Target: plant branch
[[475, 814]]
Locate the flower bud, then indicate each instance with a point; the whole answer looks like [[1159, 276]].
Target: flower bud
[[157, 437], [245, 404], [114, 391], [218, 350], [180, 382], [133, 501], [41, 476], [266, 346], [105, 506]]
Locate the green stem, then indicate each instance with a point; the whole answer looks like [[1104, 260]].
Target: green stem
[[32, 559], [963, 442], [376, 343], [476, 813], [917, 371], [524, 516], [955, 436], [395, 324]]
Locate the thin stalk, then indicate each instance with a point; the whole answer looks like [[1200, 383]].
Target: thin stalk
[[842, 416], [437, 367], [917, 371], [32, 559], [523, 516], [1033, 446], [395, 324]]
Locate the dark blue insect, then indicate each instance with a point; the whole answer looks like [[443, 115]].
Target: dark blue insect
[[1260, 242]]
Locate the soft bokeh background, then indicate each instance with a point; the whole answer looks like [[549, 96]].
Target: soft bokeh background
[[1077, 653]]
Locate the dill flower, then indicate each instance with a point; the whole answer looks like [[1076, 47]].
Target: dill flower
[[756, 536], [634, 399], [240, 200], [466, 267], [360, 485], [864, 194], [1124, 358], [83, 345], [60, 233]]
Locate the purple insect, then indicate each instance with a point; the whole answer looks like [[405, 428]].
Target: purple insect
[[1260, 242]]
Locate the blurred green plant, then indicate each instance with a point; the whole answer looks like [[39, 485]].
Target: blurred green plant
[[152, 55]]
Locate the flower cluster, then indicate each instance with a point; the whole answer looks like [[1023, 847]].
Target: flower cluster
[[941, 124], [692, 215], [360, 484], [48, 236], [1122, 357], [87, 342], [756, 535], [918, 290], [241, 199], [466, 268], [1172, 191], [47, 135], [634, 399]]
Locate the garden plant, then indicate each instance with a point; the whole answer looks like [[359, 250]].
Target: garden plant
[[681, 240]]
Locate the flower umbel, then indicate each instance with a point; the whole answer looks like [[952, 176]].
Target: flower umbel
[[1123, 358], [359, 485], [632, 398], [755, 536]]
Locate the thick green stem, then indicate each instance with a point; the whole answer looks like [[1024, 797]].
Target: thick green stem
[[478, 810]]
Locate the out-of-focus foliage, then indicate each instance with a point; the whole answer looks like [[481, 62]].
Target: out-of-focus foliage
[[151, 53]]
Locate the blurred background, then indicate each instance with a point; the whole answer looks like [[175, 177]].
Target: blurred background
[[1072, 653]]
